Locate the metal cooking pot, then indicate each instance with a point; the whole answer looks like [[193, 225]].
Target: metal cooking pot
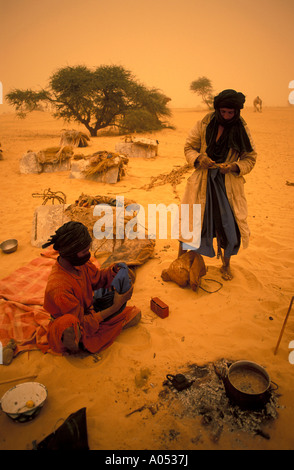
[[248, 385]]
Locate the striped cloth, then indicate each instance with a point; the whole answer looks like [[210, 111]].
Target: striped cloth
[[22, 316]]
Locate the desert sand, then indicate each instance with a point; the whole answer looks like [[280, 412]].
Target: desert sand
[[242, 320]]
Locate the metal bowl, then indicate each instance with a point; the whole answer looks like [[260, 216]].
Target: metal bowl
[[9, 246], [24, 401]]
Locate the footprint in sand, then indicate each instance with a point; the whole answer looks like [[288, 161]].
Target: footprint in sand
[[137, 337], [246, 279]]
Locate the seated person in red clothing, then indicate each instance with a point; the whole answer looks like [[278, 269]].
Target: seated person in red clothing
[[69, 296]]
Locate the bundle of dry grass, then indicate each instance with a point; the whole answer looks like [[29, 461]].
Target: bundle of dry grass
[[55, 154], [74, 138], [102, 161]]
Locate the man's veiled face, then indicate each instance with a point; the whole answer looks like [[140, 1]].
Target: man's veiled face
[[80, 258], [227, 113], [84, 252]]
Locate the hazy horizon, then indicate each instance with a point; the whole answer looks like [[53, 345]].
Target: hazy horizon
[[166, 44]]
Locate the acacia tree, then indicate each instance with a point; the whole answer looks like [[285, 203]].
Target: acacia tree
[[105, 96], [203, 87]]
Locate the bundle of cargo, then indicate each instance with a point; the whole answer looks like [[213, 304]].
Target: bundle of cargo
[[53, 155], [111, 242], [74, 138], [138, 147], [85, 200], [47, 161], [102, 166]]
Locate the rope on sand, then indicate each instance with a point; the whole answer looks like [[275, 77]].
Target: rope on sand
[[212, 280], [174, 178]]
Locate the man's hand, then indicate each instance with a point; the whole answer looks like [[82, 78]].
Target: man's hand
[[118, 301], [205, 162], [228, 168]]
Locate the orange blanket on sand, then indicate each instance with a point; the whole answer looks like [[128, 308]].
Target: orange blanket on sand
[[22, 316]]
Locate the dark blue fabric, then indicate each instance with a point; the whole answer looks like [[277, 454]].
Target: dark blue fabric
[[103, 298], [218, 218]]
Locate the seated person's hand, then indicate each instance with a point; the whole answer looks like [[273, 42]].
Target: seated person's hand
[[116, 268], [121, 299]]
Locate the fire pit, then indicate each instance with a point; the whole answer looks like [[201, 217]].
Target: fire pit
[[207, 398]]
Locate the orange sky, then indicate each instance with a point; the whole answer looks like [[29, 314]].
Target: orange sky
[[245, 45]]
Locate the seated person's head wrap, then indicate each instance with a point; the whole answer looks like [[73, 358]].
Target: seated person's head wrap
[[70, 239]]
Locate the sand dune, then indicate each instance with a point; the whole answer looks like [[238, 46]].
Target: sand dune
[[241, 321]]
